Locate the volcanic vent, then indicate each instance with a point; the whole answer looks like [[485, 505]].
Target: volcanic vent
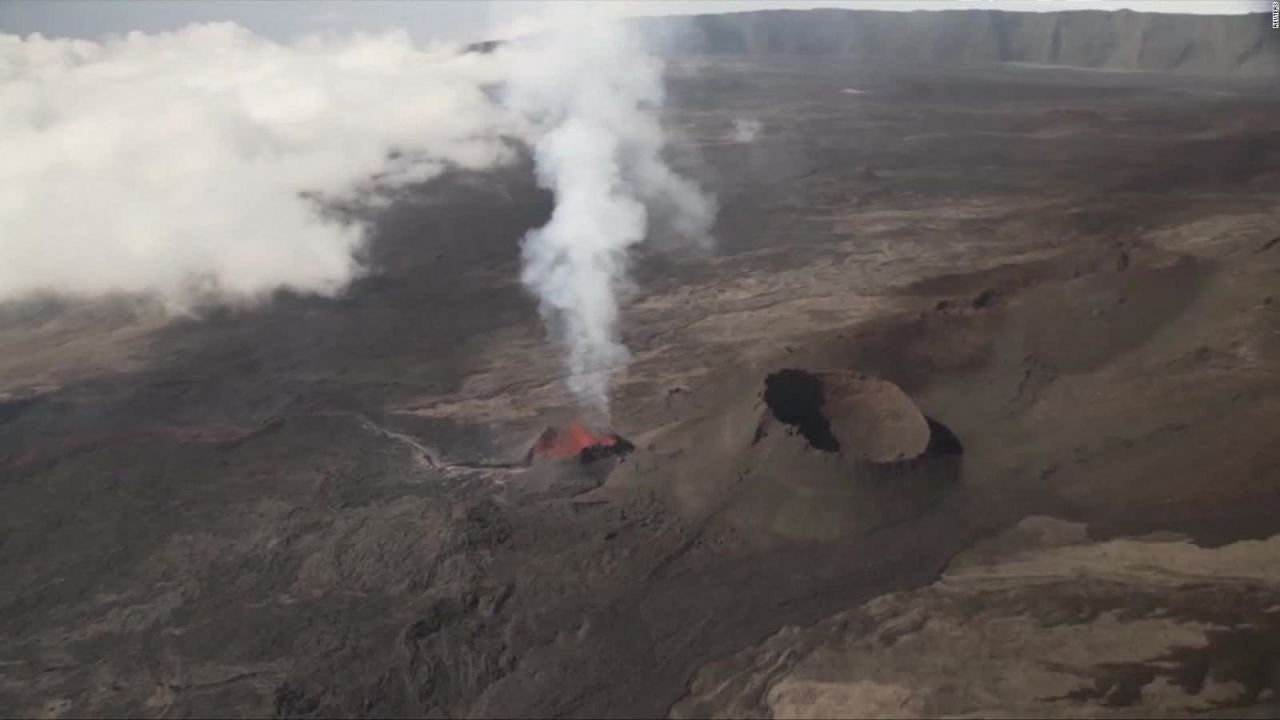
[[575, 440], [864, 418]]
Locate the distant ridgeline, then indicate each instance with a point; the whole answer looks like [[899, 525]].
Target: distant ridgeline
[[1120, 40]]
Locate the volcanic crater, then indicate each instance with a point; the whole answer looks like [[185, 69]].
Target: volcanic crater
[[575, 441], [866, 418]]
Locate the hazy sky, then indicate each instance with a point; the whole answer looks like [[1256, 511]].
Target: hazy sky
[[464, 20]]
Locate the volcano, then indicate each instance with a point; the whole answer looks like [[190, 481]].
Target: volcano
[[809, 455], [933, 317], [576, 440]]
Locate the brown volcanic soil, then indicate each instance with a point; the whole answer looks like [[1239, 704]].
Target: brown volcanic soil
[[282, 511]]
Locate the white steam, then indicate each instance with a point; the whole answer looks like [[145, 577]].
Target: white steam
[[173, 164], [746, 130], [189, 164], [595, 93]]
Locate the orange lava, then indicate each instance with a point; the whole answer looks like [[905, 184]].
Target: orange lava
[[568, 443]]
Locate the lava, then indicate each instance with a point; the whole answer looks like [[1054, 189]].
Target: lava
[[575, 440], [568, 443]]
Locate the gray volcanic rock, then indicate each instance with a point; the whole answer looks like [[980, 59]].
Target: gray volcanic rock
[[1122, 40], [1037, 622]]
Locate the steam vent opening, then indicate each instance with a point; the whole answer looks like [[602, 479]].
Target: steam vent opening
[[795, 397]]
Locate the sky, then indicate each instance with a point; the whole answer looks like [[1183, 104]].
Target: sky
[[462, 20]]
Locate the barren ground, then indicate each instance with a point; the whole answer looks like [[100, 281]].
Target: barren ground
[[250, 513]]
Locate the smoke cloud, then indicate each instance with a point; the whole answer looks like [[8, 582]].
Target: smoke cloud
[[188, 163], [594, 92], [746, 130], [195, 164]]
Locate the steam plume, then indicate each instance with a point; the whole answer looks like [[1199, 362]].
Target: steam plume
[[746, 130], [185, 165], [595, 93]]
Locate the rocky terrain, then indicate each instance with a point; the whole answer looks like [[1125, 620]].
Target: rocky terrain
[[1035, 622], [1123, 40], [970, 409]]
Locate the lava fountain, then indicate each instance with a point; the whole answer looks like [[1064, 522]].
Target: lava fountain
[[576, 440]]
